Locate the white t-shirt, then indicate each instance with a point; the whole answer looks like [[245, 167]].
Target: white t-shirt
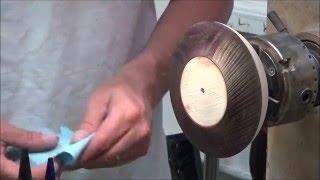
[[53, 53]]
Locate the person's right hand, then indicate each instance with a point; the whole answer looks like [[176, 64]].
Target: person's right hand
[[33, 141]]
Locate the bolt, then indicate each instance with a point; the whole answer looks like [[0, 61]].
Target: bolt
[[306, 96], [285, 60], [271, 71]]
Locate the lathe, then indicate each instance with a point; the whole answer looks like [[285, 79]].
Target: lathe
[[225, 87]]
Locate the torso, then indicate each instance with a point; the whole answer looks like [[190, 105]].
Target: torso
[[53, 53]]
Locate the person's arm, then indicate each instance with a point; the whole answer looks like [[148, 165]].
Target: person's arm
[[153, 63], [119, 110]]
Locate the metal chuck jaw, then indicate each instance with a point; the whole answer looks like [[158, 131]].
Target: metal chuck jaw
[[292, 70]]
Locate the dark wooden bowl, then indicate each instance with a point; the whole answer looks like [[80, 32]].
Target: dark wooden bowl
[[218, 89]]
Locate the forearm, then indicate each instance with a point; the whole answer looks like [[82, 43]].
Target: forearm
[[149, 71]]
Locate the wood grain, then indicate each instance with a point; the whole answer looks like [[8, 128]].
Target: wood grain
[[203, 91], [231, 55]]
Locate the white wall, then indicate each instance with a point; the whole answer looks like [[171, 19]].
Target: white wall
[[249, 16]]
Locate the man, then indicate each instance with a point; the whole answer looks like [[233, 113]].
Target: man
[[56, 56]]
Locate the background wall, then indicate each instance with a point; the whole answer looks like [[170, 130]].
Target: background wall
[[247, 16]]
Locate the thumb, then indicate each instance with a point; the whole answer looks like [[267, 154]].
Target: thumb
[[95, 113], [78, 135], [34, 141]]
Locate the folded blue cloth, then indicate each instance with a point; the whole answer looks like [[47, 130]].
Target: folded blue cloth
[[66, 153]]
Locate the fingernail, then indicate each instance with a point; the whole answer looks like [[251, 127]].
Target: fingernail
[[80, 134], [50, 137]]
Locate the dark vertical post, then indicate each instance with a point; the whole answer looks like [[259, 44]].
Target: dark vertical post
[[25, 169], [210, 167]]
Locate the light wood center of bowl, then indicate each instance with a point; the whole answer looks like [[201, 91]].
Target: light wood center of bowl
[[203, 91]]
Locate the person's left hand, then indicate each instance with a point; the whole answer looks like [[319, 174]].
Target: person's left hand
[[33, 141], [120, 117]]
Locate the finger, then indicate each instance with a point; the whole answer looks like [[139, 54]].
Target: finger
[[78, 135], [110, 131], [2, 147], [76, 165], [107, 160], [34, 141], [129, 148], [8, 169], [96, 112]]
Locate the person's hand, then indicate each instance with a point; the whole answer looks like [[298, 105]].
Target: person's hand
[[120, 118], [33, 141]]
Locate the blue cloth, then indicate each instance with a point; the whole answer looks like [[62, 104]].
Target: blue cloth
[[66, 153]]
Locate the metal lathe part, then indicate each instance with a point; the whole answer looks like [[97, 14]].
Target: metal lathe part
[[210, 167], [293, 85], [276, 21], [312, 42]]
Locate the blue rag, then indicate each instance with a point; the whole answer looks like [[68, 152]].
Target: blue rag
[[65, 152]]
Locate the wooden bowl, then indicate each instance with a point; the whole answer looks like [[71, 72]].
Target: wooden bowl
[[218, 89]]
